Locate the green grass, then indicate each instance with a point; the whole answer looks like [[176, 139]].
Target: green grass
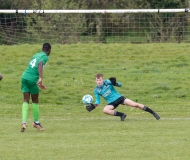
[[156, 75]]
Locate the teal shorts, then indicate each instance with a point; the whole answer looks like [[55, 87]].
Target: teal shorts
[[29, 86]]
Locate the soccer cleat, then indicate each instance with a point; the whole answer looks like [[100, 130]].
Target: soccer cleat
[[123, 117], [38, 126], [156, 115], [23, 128]]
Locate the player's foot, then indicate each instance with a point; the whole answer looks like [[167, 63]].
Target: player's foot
[[38, 126], [123, 117], [156, 115], [23, 128]]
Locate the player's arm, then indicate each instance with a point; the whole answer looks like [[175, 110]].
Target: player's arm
[[93, 106], [40, 71], [114, 82]]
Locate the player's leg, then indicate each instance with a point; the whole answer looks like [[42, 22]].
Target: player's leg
[[35, 106], [35, 112], [25, 110], [109, 109], [142, 107], [26, 96]]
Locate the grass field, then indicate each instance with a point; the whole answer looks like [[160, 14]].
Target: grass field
[[156, 75]]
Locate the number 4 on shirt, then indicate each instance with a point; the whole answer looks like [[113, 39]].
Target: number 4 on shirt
[[33, 63]]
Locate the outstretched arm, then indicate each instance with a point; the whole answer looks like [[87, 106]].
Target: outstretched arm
[[97, 102]]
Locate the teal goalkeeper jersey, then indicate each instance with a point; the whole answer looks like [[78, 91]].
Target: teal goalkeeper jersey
[[107, 91], [31, 72]]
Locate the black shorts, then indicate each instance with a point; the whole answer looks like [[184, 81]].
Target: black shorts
[[117, 102]]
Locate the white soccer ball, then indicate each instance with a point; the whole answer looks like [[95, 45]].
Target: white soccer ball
[[87, 99]]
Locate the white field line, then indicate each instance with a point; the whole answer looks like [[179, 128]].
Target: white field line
[[95, 118], [108, 118]]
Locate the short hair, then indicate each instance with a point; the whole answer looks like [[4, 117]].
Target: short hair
[[46, 47], [99, 75]]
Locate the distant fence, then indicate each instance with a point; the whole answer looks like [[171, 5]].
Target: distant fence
[[101, 26]]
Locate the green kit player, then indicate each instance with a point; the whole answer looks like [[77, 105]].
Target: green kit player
[[31, 81]]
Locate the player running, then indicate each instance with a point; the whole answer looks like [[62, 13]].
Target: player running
[[105, 88], [30, 81]]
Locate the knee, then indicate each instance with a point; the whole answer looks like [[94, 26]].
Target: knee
[[34, 99], [26, 100], [105, 110]]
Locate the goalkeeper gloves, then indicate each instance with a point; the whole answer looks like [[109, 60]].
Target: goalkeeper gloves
[[90, 107], [113, 80]]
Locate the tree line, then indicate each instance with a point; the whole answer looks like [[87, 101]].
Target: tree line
[[15, 27]]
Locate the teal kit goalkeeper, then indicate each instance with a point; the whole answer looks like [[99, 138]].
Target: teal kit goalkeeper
[[106, 89]]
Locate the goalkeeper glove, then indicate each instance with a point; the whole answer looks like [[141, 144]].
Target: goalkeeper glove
[[90, 107], [113, 80]]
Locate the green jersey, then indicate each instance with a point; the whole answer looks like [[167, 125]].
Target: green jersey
[[31, 72]]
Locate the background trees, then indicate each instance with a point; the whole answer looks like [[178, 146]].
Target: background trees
[[99, 26]]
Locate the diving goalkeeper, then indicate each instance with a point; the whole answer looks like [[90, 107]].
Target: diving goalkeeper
[[105, 88]]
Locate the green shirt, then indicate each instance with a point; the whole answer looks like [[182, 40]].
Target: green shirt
[[31, 72]]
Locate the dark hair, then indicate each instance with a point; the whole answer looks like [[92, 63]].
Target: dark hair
[[46, 47]]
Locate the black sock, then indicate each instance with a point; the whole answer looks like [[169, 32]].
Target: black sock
[[148, 110], [116, 113]]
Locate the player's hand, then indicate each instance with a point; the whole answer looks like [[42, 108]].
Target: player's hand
[[42, 86], [90, 107], [39, 81], [113, 80]]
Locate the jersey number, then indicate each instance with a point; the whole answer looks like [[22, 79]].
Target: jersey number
[[33, 63]]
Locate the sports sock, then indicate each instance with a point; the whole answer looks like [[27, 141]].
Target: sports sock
[[35, 112], [148, 110], [24, 112], [116, 113]]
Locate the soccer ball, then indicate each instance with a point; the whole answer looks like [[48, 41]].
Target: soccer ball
[[87, 99]]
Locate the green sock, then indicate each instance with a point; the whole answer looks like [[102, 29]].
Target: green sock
[[35, 112], [24, 112]]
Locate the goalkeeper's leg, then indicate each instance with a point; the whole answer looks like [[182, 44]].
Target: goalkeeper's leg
[[142, 107], [109, 109]]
